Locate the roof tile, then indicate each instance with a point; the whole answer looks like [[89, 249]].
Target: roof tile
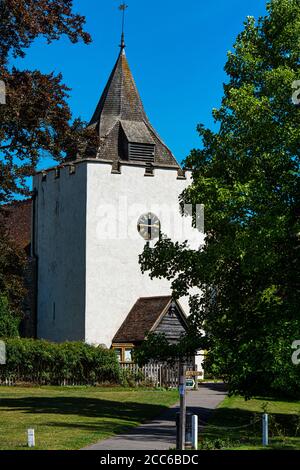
[[141, 319]]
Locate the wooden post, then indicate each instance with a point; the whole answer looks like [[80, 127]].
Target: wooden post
[[182, 380]]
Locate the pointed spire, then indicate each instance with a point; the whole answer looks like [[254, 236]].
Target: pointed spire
[[120, 119], [120, 99]]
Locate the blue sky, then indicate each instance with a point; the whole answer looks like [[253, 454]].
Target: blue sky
[[176, 51]]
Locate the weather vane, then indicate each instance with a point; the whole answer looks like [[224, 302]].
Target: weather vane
[[123, 7]]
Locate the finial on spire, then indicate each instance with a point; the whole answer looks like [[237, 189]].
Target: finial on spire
[[123, 7]]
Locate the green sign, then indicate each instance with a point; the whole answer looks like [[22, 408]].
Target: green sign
[[190, 383]]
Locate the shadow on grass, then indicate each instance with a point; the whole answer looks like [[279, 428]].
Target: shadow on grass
[[139, 433], [108, 418], [84, 407]]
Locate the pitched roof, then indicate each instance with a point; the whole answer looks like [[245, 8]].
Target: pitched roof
[[144, 316], [120, 108], [136, 131], [16, 218]]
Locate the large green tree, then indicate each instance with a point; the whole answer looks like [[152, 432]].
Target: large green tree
[[247, 175], [36, 120]]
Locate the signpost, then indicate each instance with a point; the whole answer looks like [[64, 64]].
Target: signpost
[[194, 373], [190, 383], [187, 381]]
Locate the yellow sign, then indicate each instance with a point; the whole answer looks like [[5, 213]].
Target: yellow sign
[[193, 373]]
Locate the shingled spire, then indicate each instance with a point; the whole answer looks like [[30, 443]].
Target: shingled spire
[[122, 124], [120, 99]]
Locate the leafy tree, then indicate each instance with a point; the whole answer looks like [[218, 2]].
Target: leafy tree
[[35, 123], [22, 21], [9, 323], [12, 264], [247, 175], [157, 347], [36, 120]]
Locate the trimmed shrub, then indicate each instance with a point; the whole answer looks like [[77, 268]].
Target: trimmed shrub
[[70, 363]]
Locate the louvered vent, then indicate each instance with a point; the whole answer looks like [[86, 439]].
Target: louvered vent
[[141, 152]]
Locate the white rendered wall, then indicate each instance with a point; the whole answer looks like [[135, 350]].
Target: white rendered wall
[[88, 246], [113, 276], [60, 246]]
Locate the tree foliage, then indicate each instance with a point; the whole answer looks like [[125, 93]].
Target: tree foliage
[[9, 323], [12, 265], [157, 347], [36, 119], [247, 175], [35, 123], [22, 21]]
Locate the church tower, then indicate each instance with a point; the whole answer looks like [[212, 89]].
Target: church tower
[[94, 214]]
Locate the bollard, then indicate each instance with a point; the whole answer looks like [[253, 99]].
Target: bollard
[[195, 432], [30, 437], [265, 436]]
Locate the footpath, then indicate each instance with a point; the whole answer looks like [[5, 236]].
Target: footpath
[[160, 433]]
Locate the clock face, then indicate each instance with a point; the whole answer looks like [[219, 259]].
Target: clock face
[[148, 226]]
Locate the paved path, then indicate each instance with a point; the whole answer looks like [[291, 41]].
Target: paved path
[[160, 434]]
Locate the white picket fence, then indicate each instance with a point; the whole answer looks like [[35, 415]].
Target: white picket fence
[[159, 374]]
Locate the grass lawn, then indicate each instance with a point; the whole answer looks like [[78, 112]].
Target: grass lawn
[[73, 417], [284, 425]]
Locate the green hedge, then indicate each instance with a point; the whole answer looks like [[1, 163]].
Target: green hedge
[[45, 363]]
